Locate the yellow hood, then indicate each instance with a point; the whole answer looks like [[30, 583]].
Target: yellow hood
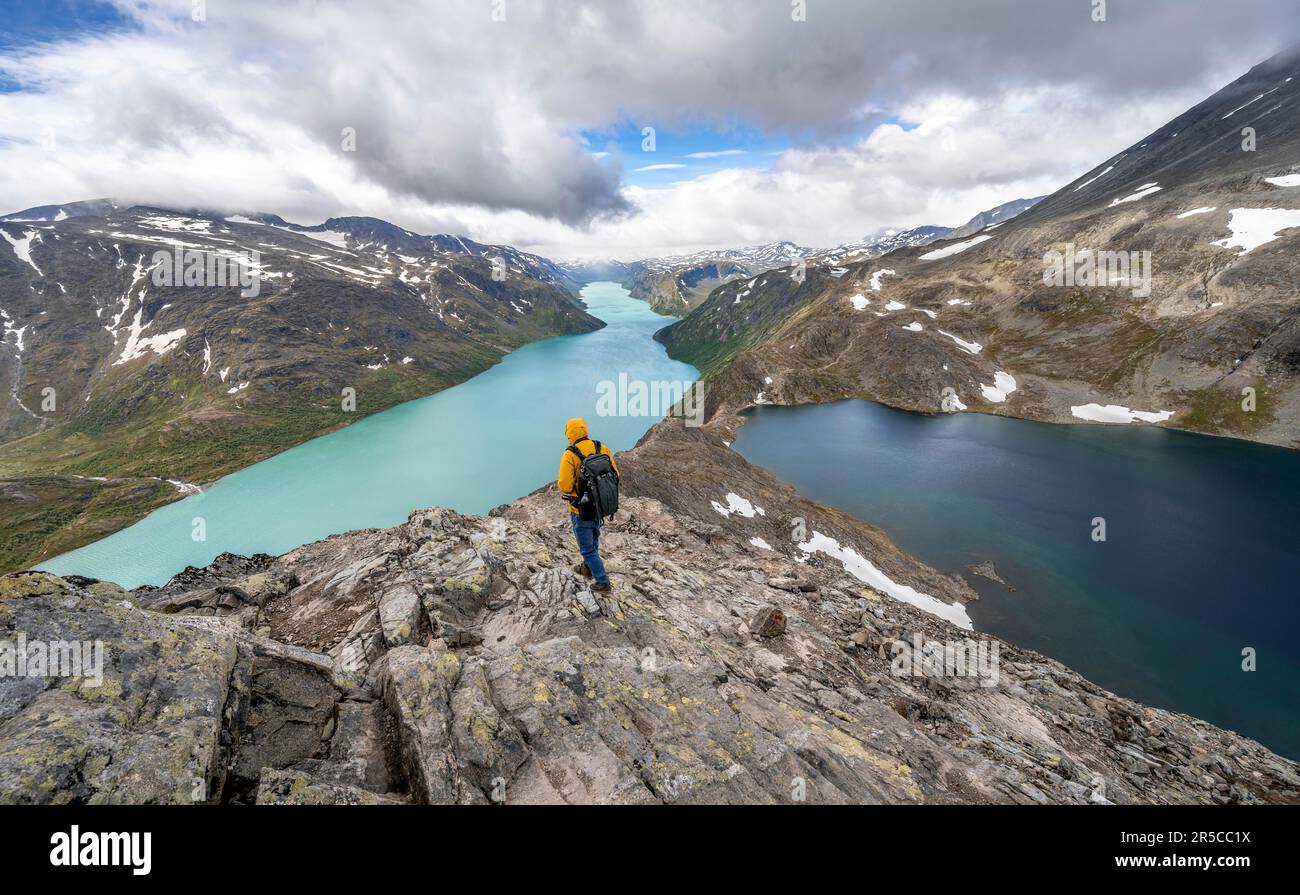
[[575, 430]]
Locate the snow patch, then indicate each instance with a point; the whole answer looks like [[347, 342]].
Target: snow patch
[[1003, 385], [738, 505], [760, 543], [1254, 227], [875, 278], [859, 301], [968, 347], [23, 247], [1195, 211], [138, 344], [1093, 180], [862, 569], [332, 237], [956, 249], [1114, 413], [1143, 191]]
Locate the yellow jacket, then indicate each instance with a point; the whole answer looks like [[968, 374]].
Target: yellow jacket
[[576, 431]]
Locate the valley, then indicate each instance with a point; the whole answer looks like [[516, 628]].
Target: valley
[[470, 447]]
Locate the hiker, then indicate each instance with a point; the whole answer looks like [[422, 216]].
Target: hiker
[[589, 482]]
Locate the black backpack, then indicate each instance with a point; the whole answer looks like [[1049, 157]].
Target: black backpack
[[597, 485]]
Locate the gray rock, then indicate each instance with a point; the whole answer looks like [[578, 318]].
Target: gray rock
[[400, 613], [587, 600], [295, 787]]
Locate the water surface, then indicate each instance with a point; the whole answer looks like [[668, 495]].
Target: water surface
[[1201, 558]]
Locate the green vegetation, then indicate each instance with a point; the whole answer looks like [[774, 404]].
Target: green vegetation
[[52, 502], [1219, 410]]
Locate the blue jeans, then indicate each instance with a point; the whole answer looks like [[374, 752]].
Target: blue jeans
[[588, 534]]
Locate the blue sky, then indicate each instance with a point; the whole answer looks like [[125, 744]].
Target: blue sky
[[25, 23], [683, 154], [34, 21], [693, 151]]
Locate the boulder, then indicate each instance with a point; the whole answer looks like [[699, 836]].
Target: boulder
[[769, 621]]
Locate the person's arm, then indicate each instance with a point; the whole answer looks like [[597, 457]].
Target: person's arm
[[568, 477], [612, 462]]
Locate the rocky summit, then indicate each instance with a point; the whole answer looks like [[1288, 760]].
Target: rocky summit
[[459, 659]]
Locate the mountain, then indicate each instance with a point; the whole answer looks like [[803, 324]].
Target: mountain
[[1195, 323], [458, 659], [83, 208], [885, 241], [994, 217], [675, 284], [122, 392], [882, 243]]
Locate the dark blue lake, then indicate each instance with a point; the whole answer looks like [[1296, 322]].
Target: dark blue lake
[[1201, 558]]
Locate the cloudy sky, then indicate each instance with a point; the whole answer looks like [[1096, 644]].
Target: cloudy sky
[[524, 121]]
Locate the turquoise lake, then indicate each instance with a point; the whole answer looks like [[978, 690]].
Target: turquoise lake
[[472, 447], [1201, 559]]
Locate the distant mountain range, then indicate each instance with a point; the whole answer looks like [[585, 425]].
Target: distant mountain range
[[676, 284]]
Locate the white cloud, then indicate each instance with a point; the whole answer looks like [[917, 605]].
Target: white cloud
[[469, 125], [962, 156]]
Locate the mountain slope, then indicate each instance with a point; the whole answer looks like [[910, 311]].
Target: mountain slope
[[1221, 317], [114, 384]]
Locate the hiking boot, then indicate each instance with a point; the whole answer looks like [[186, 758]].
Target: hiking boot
[[601, 588], [581, 569]]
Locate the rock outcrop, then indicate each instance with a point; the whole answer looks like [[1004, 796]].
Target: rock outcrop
[[460, 659]]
